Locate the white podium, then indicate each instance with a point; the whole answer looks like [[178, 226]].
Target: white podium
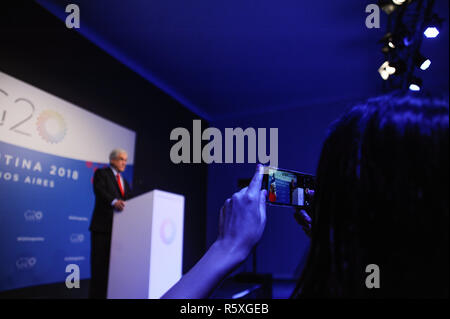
[[146, 246], [298, 197]]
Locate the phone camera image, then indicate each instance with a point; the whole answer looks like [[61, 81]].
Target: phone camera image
[[288, 188]]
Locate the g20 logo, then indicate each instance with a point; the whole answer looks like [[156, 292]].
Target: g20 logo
[[50, 125], [167, 231]]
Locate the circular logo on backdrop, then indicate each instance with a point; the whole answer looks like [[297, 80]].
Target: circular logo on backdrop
[[33, 215], [76, 238], [25, 262], [167, 231], [51, 126]]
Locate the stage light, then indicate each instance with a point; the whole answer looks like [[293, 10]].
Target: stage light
[[425, 65], [431, 32], [390, 42], [387, 6], [399, 2], [432, 26], [401, 43], [415, 84], [391, 68], [386, 70], [421, 62]]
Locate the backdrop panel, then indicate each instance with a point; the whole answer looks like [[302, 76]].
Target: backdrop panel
[[49, 150]]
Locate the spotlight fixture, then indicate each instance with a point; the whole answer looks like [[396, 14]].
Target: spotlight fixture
[[389, 6], [421, 62], [409, 22], [391, 42], [386, 70], [432, 26], [391, 68], [415, 84], [431, 32]]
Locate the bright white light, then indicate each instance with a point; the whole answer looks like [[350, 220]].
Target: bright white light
[[382, 70], [391, 44], [425, 65], [414, 87], [385, 70], [431, 32], [398, 2], [384, 75], [390, 70]]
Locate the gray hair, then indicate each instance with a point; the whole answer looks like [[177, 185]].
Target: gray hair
[[115, 153]]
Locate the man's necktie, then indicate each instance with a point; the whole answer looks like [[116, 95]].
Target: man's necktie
[[120, 185]]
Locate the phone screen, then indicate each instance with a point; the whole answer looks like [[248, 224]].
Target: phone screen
[[288, 188]]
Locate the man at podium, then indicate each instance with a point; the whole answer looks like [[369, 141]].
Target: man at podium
[[111, 191]]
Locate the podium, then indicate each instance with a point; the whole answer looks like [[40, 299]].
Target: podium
[[146, 246], [298, 197]]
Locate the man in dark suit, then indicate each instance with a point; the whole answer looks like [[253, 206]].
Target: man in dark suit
[[111, 191]]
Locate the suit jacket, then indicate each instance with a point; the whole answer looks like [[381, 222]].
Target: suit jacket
[[106, 190]]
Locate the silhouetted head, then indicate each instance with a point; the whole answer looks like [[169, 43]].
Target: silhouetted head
[[382, 198]]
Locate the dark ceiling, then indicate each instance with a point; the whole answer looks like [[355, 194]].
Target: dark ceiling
[[231, 58]]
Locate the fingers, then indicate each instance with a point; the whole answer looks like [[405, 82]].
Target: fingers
[[262, 204], [226, 206], [221, 221], [255, 183], [244, 190], [302, 218], [305, 216]]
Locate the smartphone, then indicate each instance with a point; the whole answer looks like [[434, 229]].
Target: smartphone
[[288, 188]]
